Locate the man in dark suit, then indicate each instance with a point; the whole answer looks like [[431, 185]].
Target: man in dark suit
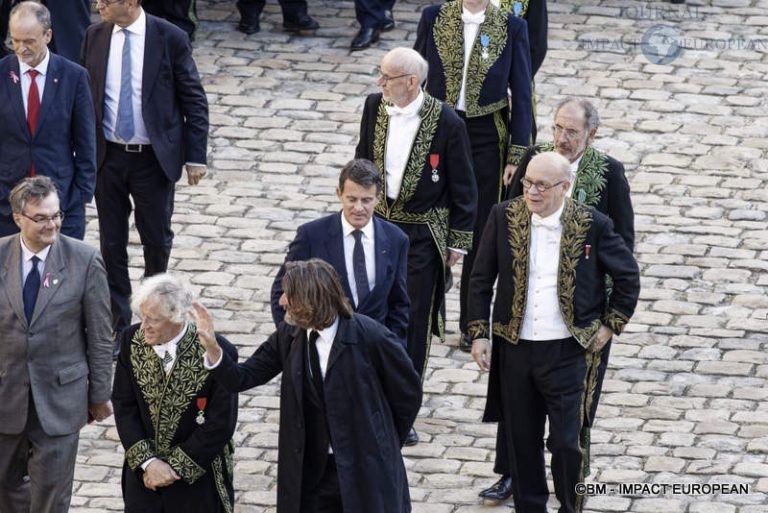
[[151, 120], [485, 75], [551, 319], [422, 148], [599, 182], [357, 245], [348, 395], [183, 460], [49, 125], [55, 364]]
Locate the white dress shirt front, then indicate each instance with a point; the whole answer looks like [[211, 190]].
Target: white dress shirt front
[[138, 32], [170, 348], [543, 319], [574, 171], [470, 34], [26, 260], [26, 79], [404, 123], [369, 247]]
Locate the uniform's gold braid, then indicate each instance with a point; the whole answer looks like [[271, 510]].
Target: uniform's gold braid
[[446, 31]]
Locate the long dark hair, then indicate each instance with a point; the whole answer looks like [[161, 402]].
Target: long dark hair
[[314, 293]]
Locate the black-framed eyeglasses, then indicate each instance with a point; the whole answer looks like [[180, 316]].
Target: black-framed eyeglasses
[[386, 78], [107, 2], [541, 187], [43, 220]]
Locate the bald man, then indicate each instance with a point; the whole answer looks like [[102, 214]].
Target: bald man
[[551, 318]]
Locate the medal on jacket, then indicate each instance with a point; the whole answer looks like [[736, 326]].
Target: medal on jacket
[[434, 161], [201, 402], [485, 40], [587, 250]]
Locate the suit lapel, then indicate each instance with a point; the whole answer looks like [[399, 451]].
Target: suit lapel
[[52, 279], [153, 54], [381, 245], [11, 278], [14, 92], [340, 343], [102, 40], [52, 79], [334, 249], [296, 359]]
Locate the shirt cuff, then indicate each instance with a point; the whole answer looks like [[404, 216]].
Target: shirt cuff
[[195, 164], [146, 464], [207, 363], [462, 251]]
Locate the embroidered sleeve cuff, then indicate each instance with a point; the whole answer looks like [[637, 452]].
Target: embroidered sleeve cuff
[[138, 453], [615, 320], [459, 239], [184, 465], [515, 153], [479, 329]]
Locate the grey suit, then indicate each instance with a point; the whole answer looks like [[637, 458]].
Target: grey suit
[[50, 369]]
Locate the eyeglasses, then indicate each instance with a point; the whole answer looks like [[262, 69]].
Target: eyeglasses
[[43, 220], [107, 2], [541, 187], [386, 78], [569, 133]]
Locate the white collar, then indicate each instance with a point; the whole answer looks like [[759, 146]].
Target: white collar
[[137, 28], [328, 334], [347, 228], [410, 110], [27, 254], [552, 220], [42, 66], [173, 342]]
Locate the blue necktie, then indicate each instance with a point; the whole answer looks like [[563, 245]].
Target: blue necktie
[[124, 128], [358, 268], [31, 287]]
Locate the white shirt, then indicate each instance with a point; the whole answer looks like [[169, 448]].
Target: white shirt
[[369, 247], [543, 319], [26, 260], [574, 171], [138, 31], [403, 127], [470, 34], [26, 79], [324, 344], [170, 347]]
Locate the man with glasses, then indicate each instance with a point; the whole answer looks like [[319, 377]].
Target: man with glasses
[[152, 115], [55, 355], [49, 125], [422, 148], [551, 319], [597, 181]]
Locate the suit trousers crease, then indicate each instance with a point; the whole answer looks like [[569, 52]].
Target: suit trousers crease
[[543, 380], [124, 177], [487, 142], [49, 463]]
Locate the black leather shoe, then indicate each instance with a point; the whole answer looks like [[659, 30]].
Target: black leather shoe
[[412, 438], [365, 38], [465, 343], [389, 22], [301, 22], [249, 26], [500, 491]]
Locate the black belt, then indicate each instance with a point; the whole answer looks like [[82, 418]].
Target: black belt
[[130, 148]]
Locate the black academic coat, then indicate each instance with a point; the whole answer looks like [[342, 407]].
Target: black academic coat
[[200, 453], [372, 395]]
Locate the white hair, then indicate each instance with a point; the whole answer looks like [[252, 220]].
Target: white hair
[[174, 295]]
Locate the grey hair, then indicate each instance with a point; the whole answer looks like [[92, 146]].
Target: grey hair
[[409, 61], [591, 116], [174, 295], [36, 9], [32, 189]]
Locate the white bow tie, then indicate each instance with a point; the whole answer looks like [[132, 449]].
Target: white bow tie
[[549, 223], [393, 110], [470, 18]]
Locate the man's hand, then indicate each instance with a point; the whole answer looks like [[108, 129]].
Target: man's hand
[[195, 173], [453, 257], [604, 334], [481, 353], [205, 333], [509, 172], [159, 473], [100, 411]]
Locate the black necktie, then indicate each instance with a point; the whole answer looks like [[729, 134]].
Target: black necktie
[[314, 362], [31, 286], [358, 267]]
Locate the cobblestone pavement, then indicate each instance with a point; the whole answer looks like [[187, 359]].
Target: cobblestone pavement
[[685, 399]]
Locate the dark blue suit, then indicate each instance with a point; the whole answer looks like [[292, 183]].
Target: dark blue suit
[[388, 301], [63, 147]]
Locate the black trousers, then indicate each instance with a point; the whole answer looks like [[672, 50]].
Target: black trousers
[[370, 13], [290, 8], [486, 140], [540, 380], [124, 177], [326, 496]]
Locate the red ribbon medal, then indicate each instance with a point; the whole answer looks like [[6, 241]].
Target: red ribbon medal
[[587, 249], [201, 402], [434, 161]]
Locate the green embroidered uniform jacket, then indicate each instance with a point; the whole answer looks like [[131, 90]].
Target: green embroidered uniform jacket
[[443, 197], [589, 250], [157, 416], [534, 12], [499, 63]]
